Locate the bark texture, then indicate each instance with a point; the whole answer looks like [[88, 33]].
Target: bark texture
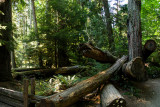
[[134, 29], [110, 97], [5, 35], [88, 50], [73, 94], [148, 49], [135, 69]]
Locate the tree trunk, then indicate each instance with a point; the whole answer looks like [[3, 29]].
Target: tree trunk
[[63, 59], [135, 69], [148, 49], [36, 34], [13, 59], [134, 29], [48, 72], [110, 97], [88, 50], [73, 94], [5, 35], [108, 25]]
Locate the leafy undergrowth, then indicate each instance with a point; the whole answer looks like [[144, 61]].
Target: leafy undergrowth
[[153, 71], [59, 83]]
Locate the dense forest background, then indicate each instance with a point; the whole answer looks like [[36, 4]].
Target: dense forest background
[[54, 41], [47, 33]]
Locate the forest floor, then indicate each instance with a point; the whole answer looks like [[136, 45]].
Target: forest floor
[[149, 96]]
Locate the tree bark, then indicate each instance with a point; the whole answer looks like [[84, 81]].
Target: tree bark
[[135, 69], [88, 50], [73, 94], [108, 25], [148, 49], [5, 36], [48, 72], [110, 97], [134, 29]]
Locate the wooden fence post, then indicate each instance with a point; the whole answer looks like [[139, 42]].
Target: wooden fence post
[[32, 86], [25, 92]]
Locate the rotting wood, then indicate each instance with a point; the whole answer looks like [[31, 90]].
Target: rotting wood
[[73, 94], [88, 50], [110, 97]]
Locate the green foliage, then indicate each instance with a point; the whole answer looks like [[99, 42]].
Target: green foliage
[[153, 71], [44, 88], [68, 81]]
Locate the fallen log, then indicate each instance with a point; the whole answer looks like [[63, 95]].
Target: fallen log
[[90, 51], [135, 69], [15, 98], [48, 72], [10, 101], [148, 49], [110, 97], [24, 69], [73, 94]]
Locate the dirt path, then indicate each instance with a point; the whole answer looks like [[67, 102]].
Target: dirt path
[[150, 96]]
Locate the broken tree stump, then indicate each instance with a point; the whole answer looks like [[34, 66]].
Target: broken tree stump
[[135, 69], [110, 97], [148, 49], [73, 94], [88, 50]]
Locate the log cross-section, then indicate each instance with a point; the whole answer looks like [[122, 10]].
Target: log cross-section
[[73, 94], [148, 49], [135, 69], [110, 97]]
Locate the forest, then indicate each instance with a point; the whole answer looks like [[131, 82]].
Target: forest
[[79, 53]]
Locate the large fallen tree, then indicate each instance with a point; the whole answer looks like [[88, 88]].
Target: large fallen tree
[[88, 50], [73, 94], [48, 72], [134, 68]]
